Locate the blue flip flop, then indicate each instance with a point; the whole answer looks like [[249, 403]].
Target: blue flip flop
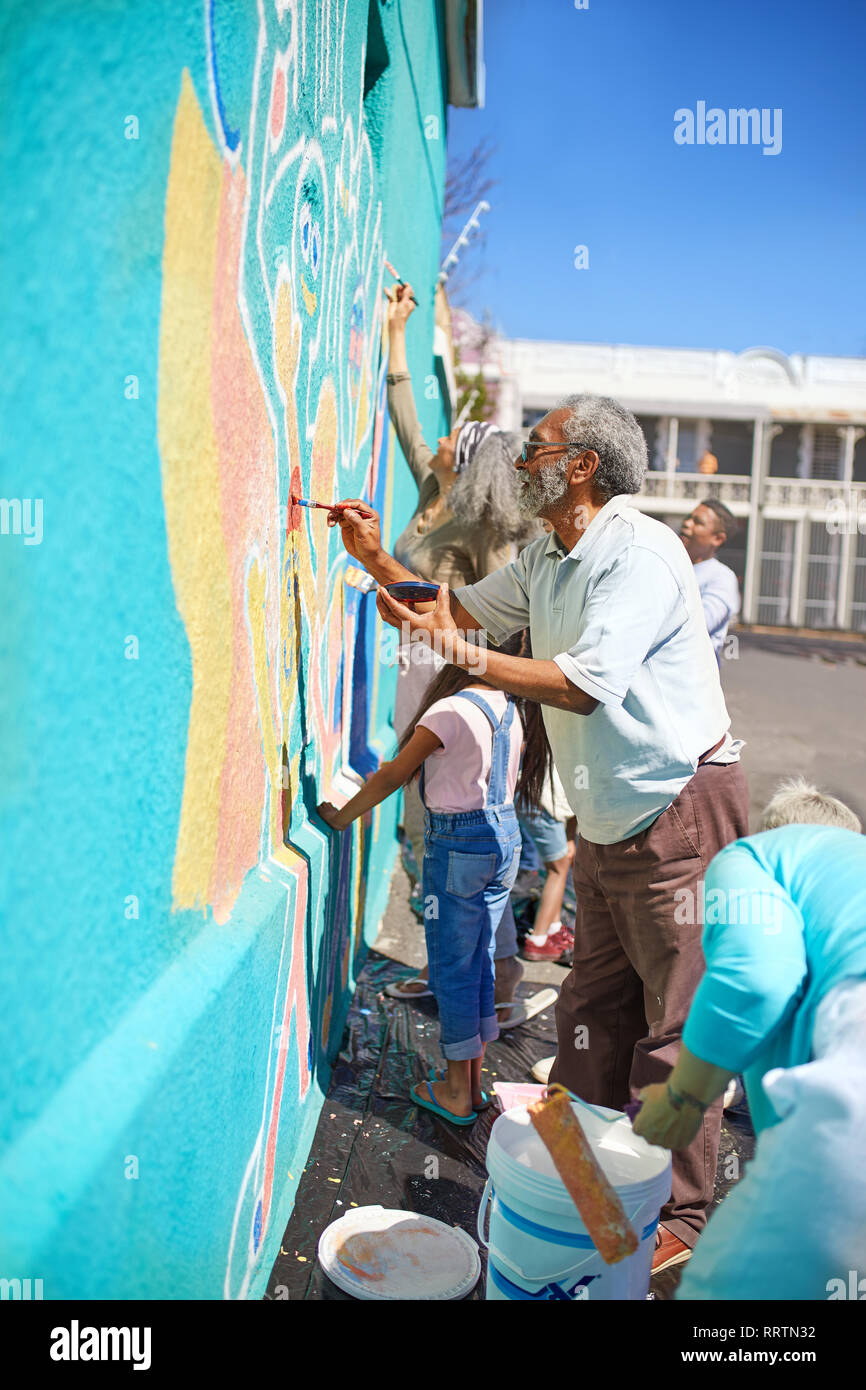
[[433, 1105], [485, 1098]]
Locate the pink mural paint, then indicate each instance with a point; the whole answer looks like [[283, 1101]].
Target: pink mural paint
[[247, 470], [295, 513], [279, 94]]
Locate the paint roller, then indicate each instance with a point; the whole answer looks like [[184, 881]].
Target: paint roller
[[600, 1209]]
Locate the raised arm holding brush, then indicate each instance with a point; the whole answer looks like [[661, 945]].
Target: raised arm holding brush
[[466, 524]]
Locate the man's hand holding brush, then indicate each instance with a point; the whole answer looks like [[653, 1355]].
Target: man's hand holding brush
[[360, 533]]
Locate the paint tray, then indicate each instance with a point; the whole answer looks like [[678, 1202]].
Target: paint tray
[[514, 1093]]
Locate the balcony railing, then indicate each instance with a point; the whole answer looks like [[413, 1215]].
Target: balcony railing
[[814, 495], [691, 487]]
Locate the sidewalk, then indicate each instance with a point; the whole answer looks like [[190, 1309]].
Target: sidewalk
[[373, 1147]]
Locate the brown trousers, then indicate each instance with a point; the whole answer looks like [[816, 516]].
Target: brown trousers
[[637, 964]]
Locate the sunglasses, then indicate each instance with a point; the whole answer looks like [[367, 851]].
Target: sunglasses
[[535, 444]]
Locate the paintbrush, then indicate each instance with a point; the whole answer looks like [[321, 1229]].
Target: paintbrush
[[399, 278], [325, 506]]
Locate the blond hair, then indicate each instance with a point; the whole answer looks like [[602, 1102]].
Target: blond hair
[[798, 802]]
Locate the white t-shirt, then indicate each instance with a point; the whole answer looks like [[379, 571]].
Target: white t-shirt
[[720, 596], [456, 776]]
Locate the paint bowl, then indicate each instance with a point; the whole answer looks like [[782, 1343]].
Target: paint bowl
[[375, 1253], [413, 591]]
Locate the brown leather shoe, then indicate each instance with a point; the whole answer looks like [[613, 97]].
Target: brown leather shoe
[[670, 1250]]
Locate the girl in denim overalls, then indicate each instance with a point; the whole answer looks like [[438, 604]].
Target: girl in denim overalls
[[471, 859]]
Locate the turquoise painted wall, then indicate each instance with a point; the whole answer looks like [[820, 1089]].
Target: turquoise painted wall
[[199, 198]]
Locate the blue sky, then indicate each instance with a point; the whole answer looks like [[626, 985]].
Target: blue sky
[[689, 246]]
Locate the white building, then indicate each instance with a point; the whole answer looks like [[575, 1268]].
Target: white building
[[789, 434]]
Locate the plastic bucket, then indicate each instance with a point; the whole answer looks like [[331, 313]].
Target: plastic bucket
[[538, 1246]]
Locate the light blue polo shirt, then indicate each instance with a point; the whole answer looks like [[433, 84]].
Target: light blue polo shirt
[[621, 615]]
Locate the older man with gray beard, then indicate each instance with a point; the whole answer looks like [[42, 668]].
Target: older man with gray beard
[[640, 736]]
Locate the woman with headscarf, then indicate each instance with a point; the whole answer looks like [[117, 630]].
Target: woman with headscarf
[[467, 523]]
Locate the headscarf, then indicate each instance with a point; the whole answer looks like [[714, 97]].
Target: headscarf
[[468, 441]]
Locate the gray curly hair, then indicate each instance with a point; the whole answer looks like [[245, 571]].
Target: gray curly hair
[[602, 424], [486, 492]]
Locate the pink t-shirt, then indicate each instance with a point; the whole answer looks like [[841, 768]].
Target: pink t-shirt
[[457, 774]]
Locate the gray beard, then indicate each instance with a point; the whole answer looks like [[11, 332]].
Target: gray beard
[[547, 487]]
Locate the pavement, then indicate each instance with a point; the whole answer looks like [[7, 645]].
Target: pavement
[[799, 703], [800, 711]]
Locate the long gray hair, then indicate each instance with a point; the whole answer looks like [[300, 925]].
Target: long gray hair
[[486, 492]]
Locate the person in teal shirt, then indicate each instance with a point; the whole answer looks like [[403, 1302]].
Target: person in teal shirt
[[783, 1002]]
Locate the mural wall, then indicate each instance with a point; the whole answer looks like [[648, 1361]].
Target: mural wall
[[201, 338]]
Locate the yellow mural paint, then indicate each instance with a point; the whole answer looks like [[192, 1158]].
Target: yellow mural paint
[[191, 483], [289, 858], [310, 298]]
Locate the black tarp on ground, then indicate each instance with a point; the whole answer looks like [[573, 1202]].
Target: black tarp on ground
[[373, 1146]]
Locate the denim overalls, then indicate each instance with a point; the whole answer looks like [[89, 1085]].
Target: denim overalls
[[471, 860]]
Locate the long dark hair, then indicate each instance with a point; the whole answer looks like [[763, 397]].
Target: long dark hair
[[536, 764]]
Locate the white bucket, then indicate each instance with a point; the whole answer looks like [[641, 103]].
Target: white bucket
[[538, 1246]]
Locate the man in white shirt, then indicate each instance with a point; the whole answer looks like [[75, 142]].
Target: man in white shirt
[[633, 707], [703, 534]]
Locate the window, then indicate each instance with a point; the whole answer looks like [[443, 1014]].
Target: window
[[777, 572], [731, 442], [827, 447], [654, 440], [858, 606], [733, 552], [822, 576], [785, 453], [687, 446]]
